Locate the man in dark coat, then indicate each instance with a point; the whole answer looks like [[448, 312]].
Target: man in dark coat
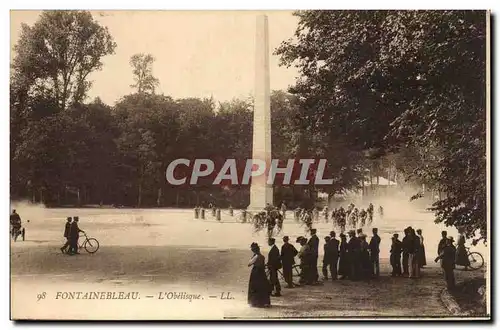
[[288, 253], [335, 244], [447, 257], [67, 228], [442, 242], [74, 234], [344, 267], [314, 248], [354, 251], [396, 248], [327, 258], [274, 264], [374, 247]]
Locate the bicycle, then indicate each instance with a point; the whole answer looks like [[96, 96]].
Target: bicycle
[[476, 260], [295, 272], [91, 245]]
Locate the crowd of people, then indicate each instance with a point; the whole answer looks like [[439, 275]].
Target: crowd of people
[[353, 257]]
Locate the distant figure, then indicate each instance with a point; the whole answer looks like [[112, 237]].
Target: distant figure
[[288, 253], [421, 252], [375, 252], [447, 258], [74, 234], [344, 268], [67, 228], [274, 264], [442, 242], [314, 245], [283, 209], [381, 211], [461, 257], [396, 249], [259, 288]]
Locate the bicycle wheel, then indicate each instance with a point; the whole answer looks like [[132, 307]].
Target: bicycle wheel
[[91, 245], [296, 270], [476, 260]]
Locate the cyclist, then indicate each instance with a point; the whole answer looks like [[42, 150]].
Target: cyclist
[[15, 222]]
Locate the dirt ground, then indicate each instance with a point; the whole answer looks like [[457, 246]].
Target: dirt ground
[[164, 253]]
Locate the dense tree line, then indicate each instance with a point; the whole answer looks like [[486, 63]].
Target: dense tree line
[[65, 151]]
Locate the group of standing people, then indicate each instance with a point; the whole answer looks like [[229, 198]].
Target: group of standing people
[[408, 253], [71, 234], [354, 259]]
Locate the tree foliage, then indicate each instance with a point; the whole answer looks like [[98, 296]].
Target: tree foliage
[[385, 80], [55, 56]]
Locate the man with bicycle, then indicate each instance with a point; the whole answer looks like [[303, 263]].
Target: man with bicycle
[[74, 234]]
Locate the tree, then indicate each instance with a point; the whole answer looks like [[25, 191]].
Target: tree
[[142, 66], [382, 80], [55, 56]]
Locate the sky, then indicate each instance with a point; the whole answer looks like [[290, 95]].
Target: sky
[[198, 53]]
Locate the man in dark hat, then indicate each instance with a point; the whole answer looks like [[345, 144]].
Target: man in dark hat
[[447, 257], [67, 228], [74, 234], [335, 244], [314, 245], [396, 255], [442, 242], [344, 267], [288, 253], [274, 264], [374, 247]]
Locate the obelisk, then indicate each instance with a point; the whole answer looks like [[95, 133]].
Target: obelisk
[[260, 192]]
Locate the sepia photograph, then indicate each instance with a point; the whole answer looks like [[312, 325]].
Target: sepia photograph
[[250, 165]]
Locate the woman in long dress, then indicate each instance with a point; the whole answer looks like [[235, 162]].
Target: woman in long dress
[[259, 288], [461, 258], [422, 260]]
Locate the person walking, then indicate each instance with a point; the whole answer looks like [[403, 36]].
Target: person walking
[[447, 258], [274, 264], [67, 228]]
